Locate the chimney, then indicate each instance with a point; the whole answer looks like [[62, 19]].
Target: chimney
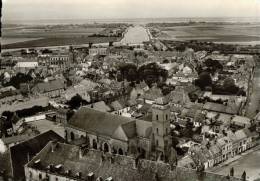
[[90, 176], [68, 172], [79, 174], [99, 179]]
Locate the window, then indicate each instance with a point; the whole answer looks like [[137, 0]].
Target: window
[[157, 130], [157, 117], [40, 176], [157, 143], [30, 174], [56, 178], [166, 117], [166, 130]]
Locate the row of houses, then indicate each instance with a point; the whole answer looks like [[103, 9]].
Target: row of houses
[[216, 151]]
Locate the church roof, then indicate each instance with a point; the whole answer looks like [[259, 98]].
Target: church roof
[[98, 122]]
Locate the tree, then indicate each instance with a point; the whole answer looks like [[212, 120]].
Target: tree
[[152, 73], [128, 72], [204, 80], [229, 86], [213, 65], [18, 79], [76, 102]]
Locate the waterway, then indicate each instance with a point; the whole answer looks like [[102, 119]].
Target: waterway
[[135, 35]]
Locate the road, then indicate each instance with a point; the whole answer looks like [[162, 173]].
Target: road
[[135, 35], [249, 163], [255, 96]]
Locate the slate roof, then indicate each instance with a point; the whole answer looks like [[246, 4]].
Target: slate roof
[[100, 106], [31, 147], [98, 122], [220, 108], [120, 168], [15, 139]]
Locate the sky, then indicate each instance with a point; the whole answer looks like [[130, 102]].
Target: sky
[[102, 9]]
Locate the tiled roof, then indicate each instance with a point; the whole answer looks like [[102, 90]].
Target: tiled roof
[[241, 120], [152, 94], [178, 97], [118, 105], [49, 86], [250, 133], [240, 134]]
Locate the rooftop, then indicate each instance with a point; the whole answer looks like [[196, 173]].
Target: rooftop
[[69, 160]]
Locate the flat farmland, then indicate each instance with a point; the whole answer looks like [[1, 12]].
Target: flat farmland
[[213, 32], [47, 31], [14, 37], [59, 41]]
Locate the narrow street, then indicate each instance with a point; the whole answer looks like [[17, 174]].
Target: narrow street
[[254, 99]]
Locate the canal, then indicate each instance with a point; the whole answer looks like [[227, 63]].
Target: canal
[[135, 35]]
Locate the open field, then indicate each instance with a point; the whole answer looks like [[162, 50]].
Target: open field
[[5, 41], [32, 31], [28, 36], [59, 41], [213, 32]]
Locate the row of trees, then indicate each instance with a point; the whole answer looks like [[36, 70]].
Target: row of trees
[[150, 73], [18, 79], [228, 87]]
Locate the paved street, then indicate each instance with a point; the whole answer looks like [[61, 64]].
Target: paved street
[[249, 163]]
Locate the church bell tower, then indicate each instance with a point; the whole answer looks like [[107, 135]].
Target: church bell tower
[[161, 126]]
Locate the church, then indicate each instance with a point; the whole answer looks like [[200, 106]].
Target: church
[[122, 135]]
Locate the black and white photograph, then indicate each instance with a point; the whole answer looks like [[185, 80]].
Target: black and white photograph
[[130, 90]]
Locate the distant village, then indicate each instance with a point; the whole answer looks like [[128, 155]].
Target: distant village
[[156, 110]]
